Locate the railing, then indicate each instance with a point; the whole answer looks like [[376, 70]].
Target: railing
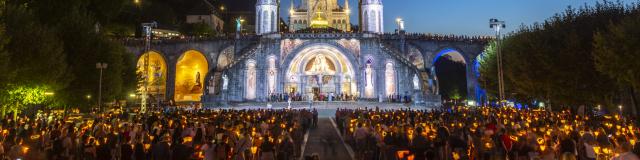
[[393, 51], [130, 41], [322, 35], [437, 37], [246, 53]]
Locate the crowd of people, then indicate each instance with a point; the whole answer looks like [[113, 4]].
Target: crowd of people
[[160, 135], [487, 133], [448, 134], [294, 97]]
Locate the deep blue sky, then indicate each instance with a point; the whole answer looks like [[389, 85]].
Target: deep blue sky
[[468, 17]]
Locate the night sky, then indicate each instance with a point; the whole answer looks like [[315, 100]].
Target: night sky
[[468, 17]]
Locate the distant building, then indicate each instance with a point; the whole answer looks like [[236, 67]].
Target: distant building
[[206, 13], [165, 33], [319, 14]]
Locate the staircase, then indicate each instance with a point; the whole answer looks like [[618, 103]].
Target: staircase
[[395, 52], [247, 52]]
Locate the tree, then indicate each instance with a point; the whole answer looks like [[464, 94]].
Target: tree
[[617, 52], [73, 26], [552, 61], [36, 61]]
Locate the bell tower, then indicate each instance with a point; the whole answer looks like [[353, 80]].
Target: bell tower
[[266, 16], [372, 16]]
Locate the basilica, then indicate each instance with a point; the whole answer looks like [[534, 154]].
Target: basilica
[[319, 58]]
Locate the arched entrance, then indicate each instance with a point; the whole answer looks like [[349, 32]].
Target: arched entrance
[[225, 57], [320, 70], [157, 73], [450, 68], [191, 69]]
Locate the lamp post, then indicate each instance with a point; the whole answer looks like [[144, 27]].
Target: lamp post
[[101, 66], [400, 23], [497, 26]]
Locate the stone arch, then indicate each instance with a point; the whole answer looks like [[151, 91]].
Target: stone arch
[[369, 78], [309, 44], [157, 73], [224, 58], [214, 77], [251, 80], [457, 56], [390, 80], [191, 69], [454, 52], [416, 57], [272, 74], [343, 59]]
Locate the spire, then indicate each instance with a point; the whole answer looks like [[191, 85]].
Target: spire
[[346, 6], [291, 8]]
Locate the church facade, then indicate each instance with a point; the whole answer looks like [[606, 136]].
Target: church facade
[[364, 65]]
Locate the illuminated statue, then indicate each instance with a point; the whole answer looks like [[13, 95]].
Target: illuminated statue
[[368, 88], [238, 24], [198, 79], [320, 65], [251, 81], [368, 75], [416, 82], [211, 88], [390, 79], [225, 82], [197, 88], [272, 80]]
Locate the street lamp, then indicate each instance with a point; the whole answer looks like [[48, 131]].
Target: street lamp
[[101, 66], [400, 23], [620, 107], [497, 26]]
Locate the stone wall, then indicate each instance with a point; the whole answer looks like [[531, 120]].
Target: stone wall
[[358, 48]]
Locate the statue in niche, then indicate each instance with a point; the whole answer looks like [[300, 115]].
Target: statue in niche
[[272, 80], [197, 88], [390, 79], [368, 75], [369, 86], [320, 65], [416, 82], [252, 79], [211, 87], [225, 82]]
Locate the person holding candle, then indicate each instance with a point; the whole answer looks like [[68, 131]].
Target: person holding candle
[[624, 151]]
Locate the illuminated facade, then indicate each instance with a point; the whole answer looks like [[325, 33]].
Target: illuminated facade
[[319, 14], [366, 65]]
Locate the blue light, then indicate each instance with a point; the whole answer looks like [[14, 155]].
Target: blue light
[[443, 52]]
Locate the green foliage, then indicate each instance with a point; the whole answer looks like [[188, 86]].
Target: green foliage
[[617, 51], [553, 61], [55, 46]]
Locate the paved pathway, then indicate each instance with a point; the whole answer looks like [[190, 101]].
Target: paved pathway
[[325, 142]]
